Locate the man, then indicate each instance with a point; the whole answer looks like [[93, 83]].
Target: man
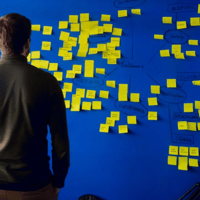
[[30, 100]]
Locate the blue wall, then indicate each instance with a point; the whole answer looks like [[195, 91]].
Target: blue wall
[[128, 166]]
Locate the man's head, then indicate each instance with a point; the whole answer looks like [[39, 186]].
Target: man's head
[[15, 32]]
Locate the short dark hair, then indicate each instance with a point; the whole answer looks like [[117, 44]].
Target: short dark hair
[[15, 30]]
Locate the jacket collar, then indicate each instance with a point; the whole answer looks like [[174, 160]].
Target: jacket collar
[[6, 58]]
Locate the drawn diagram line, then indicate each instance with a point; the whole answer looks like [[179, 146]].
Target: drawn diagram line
[[129, 85], [110, 72], [152, 78], [179, 107], [182, 84]]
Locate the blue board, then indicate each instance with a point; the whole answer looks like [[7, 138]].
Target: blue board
[[134, 165]]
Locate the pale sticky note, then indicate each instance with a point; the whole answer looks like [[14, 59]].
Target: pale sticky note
[[179, 56], [167, 20], [197, 104], [80, 92], [86, 105], [115, 115], [110, 121], [131, 120], [194, 21], [91, 94], [152, 115], [164, 53], [68, 56], [198, 9], [155, 89], [76, 99], [172, 160], [192, 126], [110, 47], [193, 42], [96, 105], [75, 27], [83, 39], [29, 57], [46, 46], [93, 51], [122, 129], [110, 84], [194, 151], [135, 97], [53, 66], [173, 150], [182, 125], [104, 128], [63, 25], [122, 96], [122, 13], [104, 94], [152, 101], [171, 83], [112, 61], [89, 68], [105, 18], [67, 103], [73, 18], [183, 151], [191, 53], [181, 25], [183, 163], [35, 54], [158, 37], [36, 63], [117, 31], [115, 41], [58, 75], [64, 36], [136, 11], [101, 47], [47, 30], [68, 87], [188, 107], [81, 53], [44, 64], [35, 27], [193, 162], [176, 48], [75, 107], [77, 69], [100, 70], [107, 28], [70, 74], [100, 29], [123, 88], [196, 83], [84, 17], [198, 124]]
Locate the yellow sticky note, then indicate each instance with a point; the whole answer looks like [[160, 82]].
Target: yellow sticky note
[[47, 30], [135, 97], [122, 13], [100, 70], [167, 20], [64, 36], [136, 11], [86, 105], [62, 52], [36, 63], [83, 39], [123, 88], [117, 31], [73, 18], [192, 126], [115, 115], [171, 83], [164, 53], [70, 74], [44, 64], [96, 105], [35, 27], [81, 53], [183, 151], [58, 75], [104, 128], [110, 84], [173, 150], [35, 54], [46, 46], [181, 25], [68, 87], [183, 163], [107, 28], [198, 9], [196, 83], [155, 89], [179, 56], [122, 129], [100, 29], [104, 94], [115, 41], [172, 160], [89, 68], [63, 25], [197, 104], [80, 92], [182, 125], [191, 53], [159, 37], [193, 42], [188, 107], [122, 96], [105, 18], [75, 27], [152, 101], [75, 107], [101, 47], [67, 103], [72, 41], [110, 46], [112, 61], [198, 124], [193, 162], [176, 48], [77, 69], [131, 120], [152, 115], [68, 56], [84, 17], [76, 99], [194, 21], [110, 121], [91, 94], [29, 57], [53, 66], [93, 51], [194, 151]]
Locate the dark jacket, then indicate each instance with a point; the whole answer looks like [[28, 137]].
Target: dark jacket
[[30, 100]]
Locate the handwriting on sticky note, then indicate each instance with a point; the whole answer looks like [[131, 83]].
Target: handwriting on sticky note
[[35, 54], [188, 107], [122, 13], [135, 97], [181, 24], [68, 87], [183, 151], [64, 36], [173, 150], [75, 107], [179, 55], [176, 48], [123, 129], [171, 83], [96, 105], [191, 53], [152, 115], [117, 31], [91, 94], [93, 51], [53, 66], [110, 121], [115, 115], [164, 53], [47, 30], [193, 162], [194, 21], [110, 84], [35, 27], [194, 151], [192, 126], [105, 18], [77, 69], [70, 74], [100, 70], [80, 92], [136, 11], [167, 20], [58, 75], [172, 160], [193, 42], [182, 125], [104, 128], [158, 37], [104, 94], [46, 45]]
